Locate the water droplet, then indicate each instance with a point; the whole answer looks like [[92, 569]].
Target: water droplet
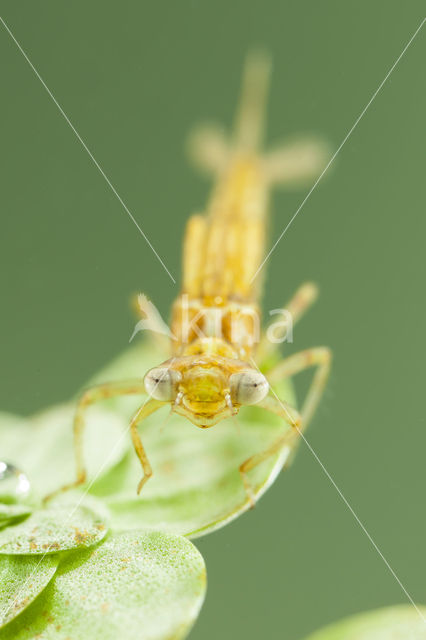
[[14, 484]]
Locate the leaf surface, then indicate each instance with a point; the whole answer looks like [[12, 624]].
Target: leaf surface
[[22, 578], [138, 586], [10, 513], [57, 528], [392, 623]]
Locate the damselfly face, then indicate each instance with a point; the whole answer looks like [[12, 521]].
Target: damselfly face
[[206, 389]]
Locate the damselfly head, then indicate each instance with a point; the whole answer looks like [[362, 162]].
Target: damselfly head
[[206, 389]]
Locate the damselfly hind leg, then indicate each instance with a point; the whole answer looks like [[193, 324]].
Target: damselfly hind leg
[[296, 307]]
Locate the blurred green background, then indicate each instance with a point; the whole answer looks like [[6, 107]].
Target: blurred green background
[[133, 77]]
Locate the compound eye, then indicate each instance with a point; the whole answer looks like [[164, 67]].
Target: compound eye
[[248, 387], [161, 382]]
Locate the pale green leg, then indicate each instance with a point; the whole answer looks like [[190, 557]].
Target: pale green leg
[[291, 416], [89, 397], [297, 306]]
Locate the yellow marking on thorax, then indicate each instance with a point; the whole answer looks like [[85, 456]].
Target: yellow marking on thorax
[[230, 329]]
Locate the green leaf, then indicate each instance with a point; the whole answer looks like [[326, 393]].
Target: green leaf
[[196, 487], [12, 512], [393, 623], [58, 528], [43, 446], [22, 578], [138, 585]]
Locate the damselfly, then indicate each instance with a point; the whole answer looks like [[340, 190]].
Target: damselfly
[[212, 371]]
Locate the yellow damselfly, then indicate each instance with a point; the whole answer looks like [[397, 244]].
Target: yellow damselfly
[[212, 368]]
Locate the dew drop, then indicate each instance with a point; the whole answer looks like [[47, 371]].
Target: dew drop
[[14, 484]]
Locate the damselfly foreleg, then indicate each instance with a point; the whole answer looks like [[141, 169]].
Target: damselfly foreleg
[[293, 419], [89, 397], [145, 410], [319, 357]]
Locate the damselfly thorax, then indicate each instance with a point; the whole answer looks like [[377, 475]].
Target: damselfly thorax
[[222, 250]]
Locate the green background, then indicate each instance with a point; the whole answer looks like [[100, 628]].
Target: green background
[[133, 77]]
